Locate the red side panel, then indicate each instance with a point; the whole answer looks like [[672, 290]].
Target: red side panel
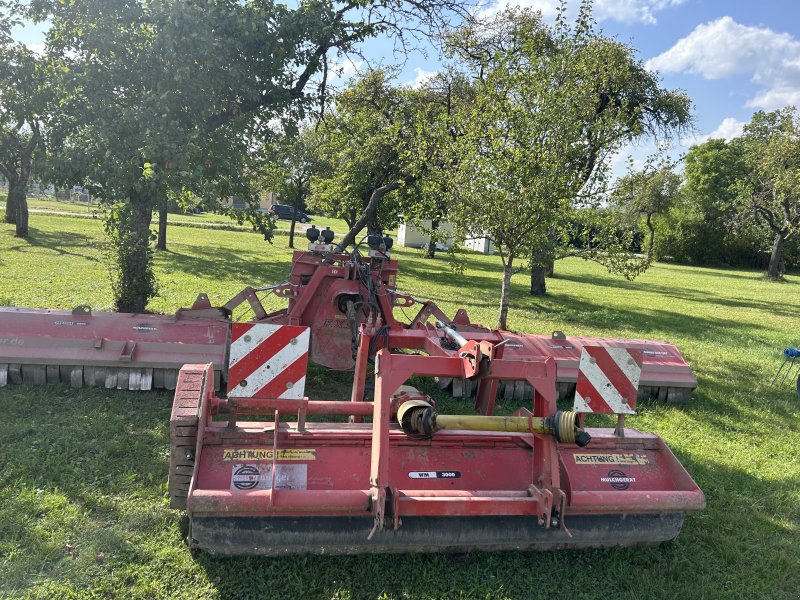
[[635, 473], [662, 363], [52, 337]]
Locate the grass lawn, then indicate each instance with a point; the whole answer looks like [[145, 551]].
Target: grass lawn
[[83, 511], [204, 219]]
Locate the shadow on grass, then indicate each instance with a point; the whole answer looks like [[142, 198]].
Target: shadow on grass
[[223, 264], [687, 294], [61, 242], [731, 272], [580, 311]]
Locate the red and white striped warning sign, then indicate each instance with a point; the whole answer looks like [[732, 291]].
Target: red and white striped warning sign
[[608, 380], [268, 361]]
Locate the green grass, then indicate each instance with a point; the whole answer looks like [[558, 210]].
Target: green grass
[[83, 511]]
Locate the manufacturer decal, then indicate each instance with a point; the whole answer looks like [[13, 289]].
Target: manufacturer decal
[[78, 323], [655, 352], [618, 479], [610, 459], [562, 347], [513, 345], [336, 324], [15, 341], [434, 474], [251, 454], [144, 328], [259, 477]]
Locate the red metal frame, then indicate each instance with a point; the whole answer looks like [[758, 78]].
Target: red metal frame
[[356, 468]]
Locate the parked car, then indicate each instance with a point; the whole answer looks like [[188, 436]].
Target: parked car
[[284, 211]]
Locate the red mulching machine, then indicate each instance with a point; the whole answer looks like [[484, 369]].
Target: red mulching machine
[[398, 476], [401, 477], [384, 471], [331, 293]]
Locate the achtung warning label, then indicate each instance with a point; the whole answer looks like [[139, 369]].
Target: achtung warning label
[[610, 459], [256, 454]]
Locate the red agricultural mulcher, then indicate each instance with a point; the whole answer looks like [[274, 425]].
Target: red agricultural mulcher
[[264, 470], [401, 477], [331, 293]]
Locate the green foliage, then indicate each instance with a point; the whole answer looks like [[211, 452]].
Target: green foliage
[[705, 227], [366, 143], [194, 88], [771, 186], [128, 254], [27, 90], [739, 205], [648, 194], [551, 105], [440, 102]]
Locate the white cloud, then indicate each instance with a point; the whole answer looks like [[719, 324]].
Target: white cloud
[[625, 11], [36, 48], [632, 11], [422, 77], [725, 48], [548, 8], [728, 129], [341, 69]]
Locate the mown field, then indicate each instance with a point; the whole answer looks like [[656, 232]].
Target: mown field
[[83, 511]]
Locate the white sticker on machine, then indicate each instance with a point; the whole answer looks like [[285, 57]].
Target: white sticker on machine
[[434, 474], [245, 478]]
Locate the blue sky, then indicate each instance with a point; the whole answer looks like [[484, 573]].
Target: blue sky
[[732, 57]]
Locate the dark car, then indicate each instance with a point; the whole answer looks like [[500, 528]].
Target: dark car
[[284, 211]]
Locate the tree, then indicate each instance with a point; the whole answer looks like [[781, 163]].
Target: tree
[[647, 194], [771, 186], [428, 197], [629, 104], [24, 94], [289, 171], [538, 136], [178, 95], [371, 144], [704, 227]]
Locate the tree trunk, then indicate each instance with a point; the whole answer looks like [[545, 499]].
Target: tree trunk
[[550, 268], [651, 228], [431, 253], [538, 283], [136, 282], [161, 244], [295, 206], [369, 215], [505, 293], [373, 226], [17, 204], [776, 264], [22, 211], [12, 203]]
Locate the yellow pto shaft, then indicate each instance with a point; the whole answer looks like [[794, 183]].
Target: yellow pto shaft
[[418, 418]]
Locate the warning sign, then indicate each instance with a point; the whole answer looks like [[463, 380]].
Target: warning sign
[[259, 477], [610, 459], [251, 454]]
